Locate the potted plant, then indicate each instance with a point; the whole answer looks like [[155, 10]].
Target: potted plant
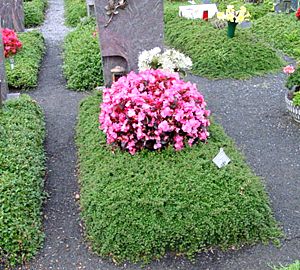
[[233, 18], [292, 97]]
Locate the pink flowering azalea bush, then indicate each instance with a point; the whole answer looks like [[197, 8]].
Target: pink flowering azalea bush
[[152, 110], [11, 42]]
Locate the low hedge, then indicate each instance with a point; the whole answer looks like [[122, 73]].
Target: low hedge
[[22, 165], [82, 58], [27, 62], [294, 266], [75, 10], [140, 207], [214, 54], [34, 11]]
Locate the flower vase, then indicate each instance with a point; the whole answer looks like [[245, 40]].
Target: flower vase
[[12, 63], [231, 29]]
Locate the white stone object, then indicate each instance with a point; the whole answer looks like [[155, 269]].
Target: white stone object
[[196, 11], [221, 159], [13, 96]]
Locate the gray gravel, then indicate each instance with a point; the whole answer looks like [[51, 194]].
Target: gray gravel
[[252, 113]]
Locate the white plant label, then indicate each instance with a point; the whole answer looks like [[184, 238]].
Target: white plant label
[[221, 159]]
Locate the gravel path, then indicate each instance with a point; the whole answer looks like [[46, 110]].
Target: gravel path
[[252, 113]]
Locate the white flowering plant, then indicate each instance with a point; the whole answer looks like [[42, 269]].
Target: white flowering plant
[[170, 60], [232, 15]]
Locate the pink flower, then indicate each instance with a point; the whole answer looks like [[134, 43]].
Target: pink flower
[[164, 126], [289, 69]]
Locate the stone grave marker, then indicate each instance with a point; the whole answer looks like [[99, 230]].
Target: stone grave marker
[[3, 83], [12, 14], [126, 28]]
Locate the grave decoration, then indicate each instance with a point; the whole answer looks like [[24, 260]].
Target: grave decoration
[[233, 18], [3, 81], [11, 43], [292, 97], [125, 29], [286, 6], [298, 14], [170, 60], [152, 110], [204, 11], [12, 14]]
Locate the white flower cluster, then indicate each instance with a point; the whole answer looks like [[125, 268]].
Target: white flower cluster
[[170, 60]]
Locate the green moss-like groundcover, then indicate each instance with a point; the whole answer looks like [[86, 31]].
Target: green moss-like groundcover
[[214, 54], [75, 10], [139, 207], [34, 11], [21, 180], [82, 58], [27, 61]]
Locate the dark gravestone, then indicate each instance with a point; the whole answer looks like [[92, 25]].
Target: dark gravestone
[[3, 86], [12, 14], [138, 26]]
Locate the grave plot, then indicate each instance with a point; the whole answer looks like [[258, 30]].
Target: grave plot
[[34, 11]]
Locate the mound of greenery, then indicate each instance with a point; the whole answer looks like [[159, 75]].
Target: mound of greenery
[[27, 61], [214, 54], [21, 180], [82, 58], [75, 10], [282, 31], [34, 11], [294, 266], [139, 207]]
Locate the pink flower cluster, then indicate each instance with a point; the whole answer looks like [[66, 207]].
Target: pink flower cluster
[[153, 109], [289, 69], [11, 42]]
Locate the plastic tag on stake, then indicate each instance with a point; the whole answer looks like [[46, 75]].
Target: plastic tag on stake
[[221, 159]]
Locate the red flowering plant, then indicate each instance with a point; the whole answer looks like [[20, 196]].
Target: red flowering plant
[[11, 42], [298, 14], [152, 110]]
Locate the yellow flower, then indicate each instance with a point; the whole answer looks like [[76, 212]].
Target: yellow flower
[[221, 16], [243, 9], [230, 9], [230, 17], [240, 19]]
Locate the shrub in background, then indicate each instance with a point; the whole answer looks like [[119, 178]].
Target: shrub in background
[[21, 180], [82, 58], [75, 10], [34, 11], [27, 61], [153, 109]]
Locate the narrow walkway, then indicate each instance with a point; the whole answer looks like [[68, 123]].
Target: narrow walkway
[[266, 136]]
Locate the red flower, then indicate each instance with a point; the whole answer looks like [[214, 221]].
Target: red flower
[[11, 42], [298, 14]]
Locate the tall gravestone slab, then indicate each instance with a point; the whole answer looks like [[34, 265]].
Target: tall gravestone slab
[[12, 14], [137, 25], [3, 87]]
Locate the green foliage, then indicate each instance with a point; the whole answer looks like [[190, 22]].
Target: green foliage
[[138, 207], [82, 58], [27, 61], [282, 31], [75, 10], [213, 54], [294, 266], [34, 11], [21, 180], [293, 79], [296, 99]]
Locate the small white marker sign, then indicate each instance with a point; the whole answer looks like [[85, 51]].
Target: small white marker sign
[[221, 159]]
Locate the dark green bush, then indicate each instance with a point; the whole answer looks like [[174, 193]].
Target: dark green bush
[[75, 10], [27, 61], [34, 11], [82, 58], [215, 55], [139, 207], [21, 180]]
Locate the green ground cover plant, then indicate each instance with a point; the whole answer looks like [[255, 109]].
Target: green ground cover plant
[[213, 54], [21, 180], [75, 10], [140, 207], [282, 31], [82, 58], [34, 11], [27, 61], [294, 266]]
